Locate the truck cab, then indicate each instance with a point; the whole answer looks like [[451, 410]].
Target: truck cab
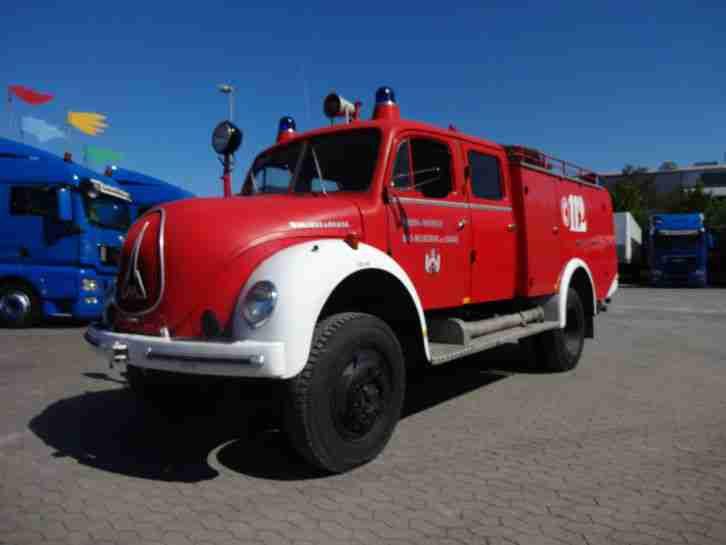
[[678, 247], [62, 227], [357, 253], [146, 191]]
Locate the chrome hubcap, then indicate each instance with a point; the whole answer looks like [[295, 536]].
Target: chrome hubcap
[[14, 305]]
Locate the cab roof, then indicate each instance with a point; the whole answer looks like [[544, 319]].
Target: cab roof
[[20, 162], [389, 124], [146, 189]]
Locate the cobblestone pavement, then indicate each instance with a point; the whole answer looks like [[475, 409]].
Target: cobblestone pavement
[[630, 448]]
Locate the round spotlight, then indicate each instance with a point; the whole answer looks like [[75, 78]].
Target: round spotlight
[[226, 138]]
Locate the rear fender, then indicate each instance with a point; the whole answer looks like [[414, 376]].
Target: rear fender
[[555, 307]]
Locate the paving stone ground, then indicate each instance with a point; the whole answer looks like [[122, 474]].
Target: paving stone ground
[[630, 448]]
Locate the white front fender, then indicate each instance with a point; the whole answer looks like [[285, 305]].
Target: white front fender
[[305, 275]]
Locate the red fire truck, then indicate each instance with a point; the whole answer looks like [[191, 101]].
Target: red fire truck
[[364, 249]]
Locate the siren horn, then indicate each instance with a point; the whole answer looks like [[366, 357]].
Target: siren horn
[[335, 105]]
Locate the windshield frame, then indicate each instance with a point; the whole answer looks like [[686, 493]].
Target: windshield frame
[[251, 184], [677, 243]]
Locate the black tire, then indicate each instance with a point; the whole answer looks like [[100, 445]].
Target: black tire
[[559, 350], [19, 306], [342, 408], [635, 273]]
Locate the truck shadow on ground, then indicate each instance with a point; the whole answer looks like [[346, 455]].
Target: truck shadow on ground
[[236, 427]]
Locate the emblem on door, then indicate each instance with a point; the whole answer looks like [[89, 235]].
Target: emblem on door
[[432, 261]]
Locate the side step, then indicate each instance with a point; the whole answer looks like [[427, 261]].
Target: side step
[[445, 352]]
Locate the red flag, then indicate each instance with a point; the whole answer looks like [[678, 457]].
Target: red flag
[[29, 96]]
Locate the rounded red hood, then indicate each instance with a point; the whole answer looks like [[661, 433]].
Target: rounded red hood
[[178, 259]]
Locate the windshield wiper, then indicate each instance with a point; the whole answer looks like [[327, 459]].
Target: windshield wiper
[[317, 167], [254, 181]]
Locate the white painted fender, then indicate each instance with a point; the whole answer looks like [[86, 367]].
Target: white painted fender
[[567, 272], [305, 276], [613, 287]]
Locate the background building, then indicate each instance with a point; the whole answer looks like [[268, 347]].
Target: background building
[[669, 177]]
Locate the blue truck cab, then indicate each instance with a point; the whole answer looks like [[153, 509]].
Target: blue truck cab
[[146, 191], [678, 250], [61, 231]]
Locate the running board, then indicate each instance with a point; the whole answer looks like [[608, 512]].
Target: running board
[[445, 352]]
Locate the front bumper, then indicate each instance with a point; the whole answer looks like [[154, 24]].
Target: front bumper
[[253, 359]]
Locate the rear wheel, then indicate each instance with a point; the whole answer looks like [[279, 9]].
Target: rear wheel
[[19, 306], [559, 350], [343, 406]]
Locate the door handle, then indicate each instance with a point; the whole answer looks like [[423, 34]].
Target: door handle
[[512, 227], [555, 229], [462, 224]]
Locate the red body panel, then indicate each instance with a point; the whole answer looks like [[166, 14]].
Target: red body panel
[[536, 198], [457, 249]]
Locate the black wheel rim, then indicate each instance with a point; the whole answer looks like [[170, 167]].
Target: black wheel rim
[[573, 331], [361, 394]]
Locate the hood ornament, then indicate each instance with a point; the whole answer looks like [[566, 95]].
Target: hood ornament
[[133, 286]]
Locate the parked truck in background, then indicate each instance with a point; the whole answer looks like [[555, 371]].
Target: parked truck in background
[[717, 255], [61, 231], [366, 249], [629, 239], [678, 247], [146, 191]]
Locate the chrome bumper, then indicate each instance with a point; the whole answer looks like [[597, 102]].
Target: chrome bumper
[[233, 359]]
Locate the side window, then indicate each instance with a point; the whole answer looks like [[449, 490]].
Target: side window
[[32, 201], [431, 168], [402, 168], [486, 182]]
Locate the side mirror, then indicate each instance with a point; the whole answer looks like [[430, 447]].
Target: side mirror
[[65, 205]]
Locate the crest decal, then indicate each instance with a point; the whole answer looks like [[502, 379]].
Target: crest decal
[[432, 261]]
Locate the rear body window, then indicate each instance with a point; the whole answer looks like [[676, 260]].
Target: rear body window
[[486, 181]]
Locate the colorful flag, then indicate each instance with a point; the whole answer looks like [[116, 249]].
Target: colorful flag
[[104, 156], [40, 129], [87, 122], [28, 95]]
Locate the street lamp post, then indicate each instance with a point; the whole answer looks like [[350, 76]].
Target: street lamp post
[[228, 90]]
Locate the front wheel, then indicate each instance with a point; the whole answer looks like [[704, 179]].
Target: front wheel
[[19, 306], [341, 409], [559, 350]]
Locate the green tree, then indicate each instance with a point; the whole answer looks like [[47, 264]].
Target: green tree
[[716, 213], [633, 192]]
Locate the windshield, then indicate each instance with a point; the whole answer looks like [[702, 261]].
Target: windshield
[[106, 211], [677, 242], [341, 161]]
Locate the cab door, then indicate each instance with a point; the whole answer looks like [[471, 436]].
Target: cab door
[[494, 231], [428, 219]]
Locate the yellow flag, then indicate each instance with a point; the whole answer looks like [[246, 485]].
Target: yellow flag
[[87, 122]]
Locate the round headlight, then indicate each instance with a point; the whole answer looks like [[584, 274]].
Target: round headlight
[[226, 138], [259, 303]]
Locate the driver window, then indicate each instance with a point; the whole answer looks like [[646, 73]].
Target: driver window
[[431, 167], [402, 168]]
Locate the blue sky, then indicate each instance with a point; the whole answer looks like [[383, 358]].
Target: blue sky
[[599, 84]]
